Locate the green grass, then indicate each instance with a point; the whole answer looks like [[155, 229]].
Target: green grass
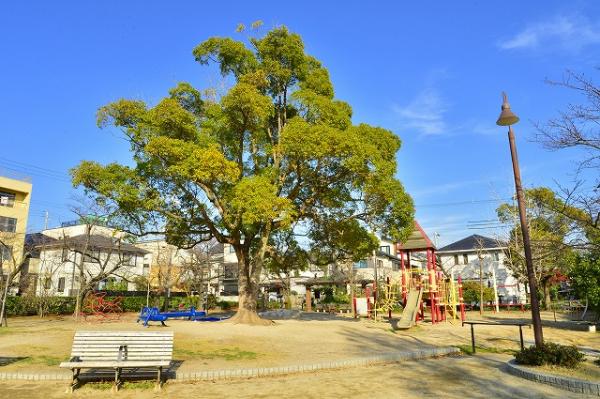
[[226, 354], [46, 360], [468, 350]]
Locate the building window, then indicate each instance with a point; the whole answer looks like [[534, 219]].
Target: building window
[[7, 252], [8, 225], [127, 259], [146, 269], [361, 264], [456, 259], [7, 199], [465, 259], [231, 249], [385, 248], [61, 284], [379, 263], [65, 255], [496, 256], [47, 283]]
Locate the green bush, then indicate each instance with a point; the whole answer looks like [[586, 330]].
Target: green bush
[[227, 305], [31, 305], [552, 354], [471, 292]]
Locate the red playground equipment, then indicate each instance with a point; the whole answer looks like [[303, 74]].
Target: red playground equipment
[[101, 308], [436, 292]]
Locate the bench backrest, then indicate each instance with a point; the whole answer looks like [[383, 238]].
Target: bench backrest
[[122, 345]]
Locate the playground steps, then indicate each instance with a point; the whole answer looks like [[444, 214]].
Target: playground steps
[[409, 314]]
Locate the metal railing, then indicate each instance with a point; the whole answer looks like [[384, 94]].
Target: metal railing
[[474, 323]]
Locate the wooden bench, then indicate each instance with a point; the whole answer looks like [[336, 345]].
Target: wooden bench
[[120, 350]]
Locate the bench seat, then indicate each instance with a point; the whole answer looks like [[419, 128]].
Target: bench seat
[[119, 350]]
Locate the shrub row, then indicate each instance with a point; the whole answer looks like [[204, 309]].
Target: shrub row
[[552, 354], [32, 305]]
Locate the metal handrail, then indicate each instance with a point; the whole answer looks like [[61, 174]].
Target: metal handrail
[[473, 323]]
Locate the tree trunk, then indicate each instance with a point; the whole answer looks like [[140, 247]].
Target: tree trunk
[[547, 298], [3, 318], [248, 291]]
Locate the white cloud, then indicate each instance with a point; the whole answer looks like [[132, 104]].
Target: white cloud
[[425, 113], [569, 33]]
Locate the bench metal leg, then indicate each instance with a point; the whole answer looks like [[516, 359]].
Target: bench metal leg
[[159, 379], [74, 381], [117, 379]]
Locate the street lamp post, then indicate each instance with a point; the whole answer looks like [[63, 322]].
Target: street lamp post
[[507, 118]]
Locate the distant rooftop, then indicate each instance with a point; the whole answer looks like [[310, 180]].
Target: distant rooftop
[[471, 243], [14, 175]]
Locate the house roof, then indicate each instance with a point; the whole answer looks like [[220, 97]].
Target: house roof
[[38, 239], [472, 242], [95, 242], [417, 240]]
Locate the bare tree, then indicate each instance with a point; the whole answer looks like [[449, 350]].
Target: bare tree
[[12, 263], [578, 127], [201, 268]]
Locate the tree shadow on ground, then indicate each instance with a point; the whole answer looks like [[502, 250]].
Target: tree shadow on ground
[[571, 325], [128, 375], [6, 360]]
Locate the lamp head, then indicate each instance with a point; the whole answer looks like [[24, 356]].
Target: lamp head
[[506, 117]]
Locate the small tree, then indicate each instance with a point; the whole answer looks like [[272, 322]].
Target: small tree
[[12, 264], [201, 267], [585, 279], [548, 232]]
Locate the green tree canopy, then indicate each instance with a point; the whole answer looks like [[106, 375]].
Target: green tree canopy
[[276, 150], [548, 230]]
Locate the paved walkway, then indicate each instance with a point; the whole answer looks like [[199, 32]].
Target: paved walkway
[[480, 376]]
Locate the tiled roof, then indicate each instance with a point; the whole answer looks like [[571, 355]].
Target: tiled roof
[[473, 242]]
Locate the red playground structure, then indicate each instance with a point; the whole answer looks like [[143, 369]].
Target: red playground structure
[[100, 308]]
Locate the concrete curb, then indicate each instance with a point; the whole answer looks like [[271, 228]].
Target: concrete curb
[[566, 383], [226, 374]]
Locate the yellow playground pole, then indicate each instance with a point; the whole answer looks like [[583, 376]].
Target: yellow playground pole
[[453, 300]]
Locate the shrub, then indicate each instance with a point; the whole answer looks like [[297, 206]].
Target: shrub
[[471, 292], [552, 354]]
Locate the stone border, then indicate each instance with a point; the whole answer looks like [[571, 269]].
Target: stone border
[[213, 375], [562, 382]]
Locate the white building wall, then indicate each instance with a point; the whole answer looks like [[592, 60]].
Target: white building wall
[[509, 288]]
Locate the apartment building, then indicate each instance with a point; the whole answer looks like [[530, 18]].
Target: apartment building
[[15, 195]]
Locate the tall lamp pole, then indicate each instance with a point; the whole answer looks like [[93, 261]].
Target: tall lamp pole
[[507, 118]]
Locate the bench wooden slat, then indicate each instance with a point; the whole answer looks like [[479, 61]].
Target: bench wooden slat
[[116, 364]]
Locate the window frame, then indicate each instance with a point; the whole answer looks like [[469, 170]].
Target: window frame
[[10, 199], [5, 221]]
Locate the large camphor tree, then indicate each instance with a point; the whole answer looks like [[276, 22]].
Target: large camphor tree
[[276, 150]]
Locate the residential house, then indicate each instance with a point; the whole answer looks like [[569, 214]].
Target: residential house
[[465, 257]]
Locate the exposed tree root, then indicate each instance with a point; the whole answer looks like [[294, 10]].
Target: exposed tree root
[[245, 316]]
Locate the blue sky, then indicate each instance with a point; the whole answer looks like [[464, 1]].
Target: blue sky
[[431, 73]]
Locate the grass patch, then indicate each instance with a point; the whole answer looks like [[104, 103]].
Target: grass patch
[[45, 360], [468, 350], [228, 354]]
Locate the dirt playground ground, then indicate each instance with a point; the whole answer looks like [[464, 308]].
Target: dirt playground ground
[[31, 344]]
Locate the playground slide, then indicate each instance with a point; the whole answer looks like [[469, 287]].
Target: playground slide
[[409, 314]]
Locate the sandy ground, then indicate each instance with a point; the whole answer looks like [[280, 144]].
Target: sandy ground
[[38, 345], [452, 377]]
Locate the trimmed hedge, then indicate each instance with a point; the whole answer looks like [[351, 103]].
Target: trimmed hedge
[[550, 353], [31, 305]]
